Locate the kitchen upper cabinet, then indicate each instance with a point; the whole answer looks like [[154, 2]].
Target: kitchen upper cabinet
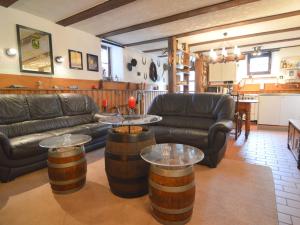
[[278, 109], [222, 72]]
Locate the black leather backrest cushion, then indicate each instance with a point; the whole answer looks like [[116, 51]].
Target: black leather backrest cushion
[[169, 104], [13, 108], [44, 106], [204, 105], [75, 104]]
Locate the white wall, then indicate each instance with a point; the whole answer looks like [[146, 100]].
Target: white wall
[[63, 38], [276, 72], [121, 56]]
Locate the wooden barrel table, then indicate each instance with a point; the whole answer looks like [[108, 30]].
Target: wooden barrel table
[[172, 194], [67, 169], [127, 173], [66, 162], [171, 181]]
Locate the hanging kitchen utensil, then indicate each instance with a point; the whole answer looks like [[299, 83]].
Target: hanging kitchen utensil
[[153, 72], [144, 62], [129, 66], [145, 76], [133, 62]]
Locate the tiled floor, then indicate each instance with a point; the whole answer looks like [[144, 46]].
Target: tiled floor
[[269, 148]]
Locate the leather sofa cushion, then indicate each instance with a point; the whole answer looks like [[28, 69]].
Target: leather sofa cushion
[[13, 109], [205, 105], [97, 129], [27, 145], [188, 136], [75, 104], [186, 122], [36, 126], [44, 106]]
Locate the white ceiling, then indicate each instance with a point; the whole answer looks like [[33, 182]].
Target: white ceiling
[[145, 10]]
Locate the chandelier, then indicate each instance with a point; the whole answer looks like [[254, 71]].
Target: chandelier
[[224, 54]]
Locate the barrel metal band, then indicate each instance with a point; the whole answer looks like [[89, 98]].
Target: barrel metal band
[[171, 173], [166, 222], [65, 182], [171, 189], [122, 157], [61, 154], [172, 211], [64, 165]]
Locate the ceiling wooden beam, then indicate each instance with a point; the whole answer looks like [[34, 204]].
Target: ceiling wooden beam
[[94, 11], [147, 42], [110, 42], [240, 23], [245, 36], [179, 16], [256, 44], [155, 50], [222, 26], [7, 3]]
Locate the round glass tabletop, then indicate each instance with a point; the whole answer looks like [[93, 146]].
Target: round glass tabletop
[[135, 119], [66, 140], [172, 155]]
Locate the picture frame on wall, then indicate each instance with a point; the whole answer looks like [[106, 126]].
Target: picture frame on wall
[[75, 60], [35, 50], [92, 62]]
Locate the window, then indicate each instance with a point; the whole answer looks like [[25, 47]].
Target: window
[[105, 61], [192, 82], [259, 64]]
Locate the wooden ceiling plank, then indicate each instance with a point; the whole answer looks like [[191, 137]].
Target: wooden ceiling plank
[[94, 11], [7, 3], [155, 50], [179, 16], [256, 44], [246, 36], [222, 26]]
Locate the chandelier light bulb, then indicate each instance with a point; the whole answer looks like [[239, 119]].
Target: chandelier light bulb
[[224, 52], [237, 51]]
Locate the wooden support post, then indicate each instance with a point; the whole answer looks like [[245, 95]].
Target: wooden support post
[[172, 47]]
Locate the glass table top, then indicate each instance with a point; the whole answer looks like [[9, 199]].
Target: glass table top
[[172, 155], [134, 119], [64, 141]]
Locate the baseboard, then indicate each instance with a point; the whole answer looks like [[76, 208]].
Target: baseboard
[[271, 127]]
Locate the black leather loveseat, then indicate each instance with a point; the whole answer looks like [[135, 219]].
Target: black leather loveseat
[[200, 120], [25, 120]]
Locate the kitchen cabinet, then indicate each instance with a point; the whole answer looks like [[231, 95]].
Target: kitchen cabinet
[[277, 109], [222, 72]]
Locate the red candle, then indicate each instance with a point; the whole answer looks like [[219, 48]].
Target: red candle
[[131, 102], [104, 103]]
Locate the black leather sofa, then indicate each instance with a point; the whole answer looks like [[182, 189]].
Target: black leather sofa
[[25, 120], [200, 120]]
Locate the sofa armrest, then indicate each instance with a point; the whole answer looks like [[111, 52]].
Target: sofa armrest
[[220, 126], [4, 144]]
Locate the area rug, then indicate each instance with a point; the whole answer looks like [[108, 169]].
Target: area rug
[[235, 193]]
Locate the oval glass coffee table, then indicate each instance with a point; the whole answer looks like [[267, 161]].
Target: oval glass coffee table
[[127, 173], [66, 162], [171, 181]]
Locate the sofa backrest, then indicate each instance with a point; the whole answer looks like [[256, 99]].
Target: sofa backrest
[[203, 109], [26, 114]]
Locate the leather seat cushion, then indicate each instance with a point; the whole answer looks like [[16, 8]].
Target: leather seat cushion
[[97, 129], [188, 136], [186, 122], [13, 109], [37, 126], [75, 104], [27, 145], [80, 129], [44, 106]]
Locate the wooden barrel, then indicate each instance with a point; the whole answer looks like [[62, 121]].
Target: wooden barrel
[[172, 194], [67, 169], [127, 173]]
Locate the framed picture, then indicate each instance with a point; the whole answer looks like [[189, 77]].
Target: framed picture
[[35, 50], [92, 62], [75, 60]]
